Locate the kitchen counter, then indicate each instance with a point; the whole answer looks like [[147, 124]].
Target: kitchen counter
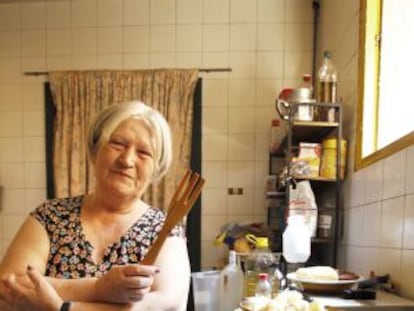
[[384, 301]]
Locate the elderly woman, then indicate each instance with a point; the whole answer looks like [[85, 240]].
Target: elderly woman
[[84, 252]]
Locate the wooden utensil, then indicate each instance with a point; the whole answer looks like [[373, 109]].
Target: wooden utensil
[[187, 193]]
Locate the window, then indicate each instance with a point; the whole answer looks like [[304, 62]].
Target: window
[[385, 106]]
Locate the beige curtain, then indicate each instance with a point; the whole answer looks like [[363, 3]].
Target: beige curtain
[[79, 95]]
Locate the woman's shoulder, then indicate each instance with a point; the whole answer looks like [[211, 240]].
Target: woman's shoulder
[[58, 207]]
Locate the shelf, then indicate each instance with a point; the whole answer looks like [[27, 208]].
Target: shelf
[[275, 194], [322, 240], [315, 178]]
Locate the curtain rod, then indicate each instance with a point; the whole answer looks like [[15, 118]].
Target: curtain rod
[[206, 70]]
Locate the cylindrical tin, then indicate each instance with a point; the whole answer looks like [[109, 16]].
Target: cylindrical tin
[[328, 164]]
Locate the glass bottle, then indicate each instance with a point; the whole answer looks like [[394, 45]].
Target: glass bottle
[[327, 82]]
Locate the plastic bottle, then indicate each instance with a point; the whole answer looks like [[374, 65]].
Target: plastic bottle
[[296, 240], [307, 83], [261, 260], [263, 286], [231, 284], [276, 135], [327, 82]]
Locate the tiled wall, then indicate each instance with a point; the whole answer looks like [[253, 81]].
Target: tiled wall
[[267, 43], [379, 200]]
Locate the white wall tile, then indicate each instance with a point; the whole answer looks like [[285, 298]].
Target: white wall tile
[[10, 43], [33, 15], [296, 64], [189, 37], [32, 96], [407, 274], [263, 119], [136, 61], [59, 62], [10, 70], [136, 39], [374, 182], [162, 38], [162, 60], [271, 11], [85, 62], [241, 120], [241, 147], [109, 12], [214, 201], [408, 218], [210, 226], [241, 174], [84, 41], [110, 40], [371, 225], [58, 42], [243, 64], [269, 65], [241, 204], [136, 12], [10, 97], [262, 142], [33, 63], [189, 11], [84, 13], [267, 92], [243, 37], [216, 11], [394, 175], [13, 202], [355, 225], [109, 61], [215, 147], [10, 16], [215, 93], [299, 11], [216, 60], [215, 120], [35, 175], [33, 197], [33, 42], [409, 178], [216, 37], [216, 173], [243, 11], [162, 12], [11, 124], [34, 124], [270, 37], [298, 37], [12, 173], [188, 60], [34, 149], [392, 222], [58, 14], [242, 92]]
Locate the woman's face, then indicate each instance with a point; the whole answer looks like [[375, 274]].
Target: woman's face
[[125, 164]]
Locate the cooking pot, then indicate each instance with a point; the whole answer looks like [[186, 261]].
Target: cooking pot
[[296, 105]]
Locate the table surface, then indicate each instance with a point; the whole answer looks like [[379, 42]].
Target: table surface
[[383, 299]]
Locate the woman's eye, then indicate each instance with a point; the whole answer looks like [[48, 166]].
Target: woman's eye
[[144, 152], [116, 143]]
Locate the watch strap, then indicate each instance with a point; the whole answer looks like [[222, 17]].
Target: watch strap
[[65, 306]]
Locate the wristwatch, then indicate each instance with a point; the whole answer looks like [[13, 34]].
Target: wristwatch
[[65, 306]]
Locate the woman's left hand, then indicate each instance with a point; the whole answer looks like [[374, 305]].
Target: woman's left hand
[[35, 295]]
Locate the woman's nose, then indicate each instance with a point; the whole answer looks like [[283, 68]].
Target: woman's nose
[[127, 157]]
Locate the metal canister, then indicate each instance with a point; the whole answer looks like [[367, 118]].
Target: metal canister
[[329, 161]]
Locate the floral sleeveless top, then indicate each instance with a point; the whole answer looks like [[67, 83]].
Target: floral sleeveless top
[[70, 255]]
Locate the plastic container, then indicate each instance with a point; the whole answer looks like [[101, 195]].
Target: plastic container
[[260, 260], [263, 286], [231, 284], [296, 240], [206, 290], [327, 87], [277, 133], [328, 163]]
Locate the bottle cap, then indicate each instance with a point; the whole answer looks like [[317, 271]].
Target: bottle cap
[[262, 242], [263, 276], [327, 54], [275, 122]]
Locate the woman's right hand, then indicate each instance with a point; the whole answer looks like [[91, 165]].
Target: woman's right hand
[[125, 284]]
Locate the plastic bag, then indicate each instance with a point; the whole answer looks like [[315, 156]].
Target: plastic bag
[[302, 201]]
